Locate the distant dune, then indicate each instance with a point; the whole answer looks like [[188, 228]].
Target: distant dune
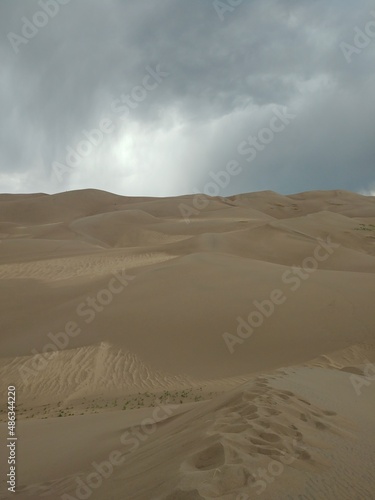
[[231, 342]]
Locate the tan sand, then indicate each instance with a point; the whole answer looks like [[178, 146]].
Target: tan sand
[[227, 356]]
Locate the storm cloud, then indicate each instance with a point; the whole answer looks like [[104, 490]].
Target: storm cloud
[[155, 97]]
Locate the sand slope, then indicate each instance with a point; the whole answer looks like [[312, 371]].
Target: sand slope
[[241, 323]]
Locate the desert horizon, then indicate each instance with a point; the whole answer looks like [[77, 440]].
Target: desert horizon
[[188, 347]]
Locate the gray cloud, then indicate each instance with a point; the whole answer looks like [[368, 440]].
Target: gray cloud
[[224, 77]]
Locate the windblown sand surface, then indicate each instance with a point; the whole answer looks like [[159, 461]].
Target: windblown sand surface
[[227, 355]]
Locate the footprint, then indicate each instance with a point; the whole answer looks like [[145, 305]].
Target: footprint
[[235, 428], [271, 411], [303, 454], [270, 437], [270, 451], [257, 441], [264, 424], [210, 458], [298, 435], [284, 397], [352, 369], [329, 413], [319, 425], [316, 414], [244, 412], [287, 393], [251, 409]]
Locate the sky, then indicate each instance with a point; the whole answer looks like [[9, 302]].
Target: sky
[[171, 97]]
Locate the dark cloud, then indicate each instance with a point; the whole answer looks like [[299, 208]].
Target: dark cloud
[[220, 81]]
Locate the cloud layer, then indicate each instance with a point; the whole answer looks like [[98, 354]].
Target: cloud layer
[[166, 92]]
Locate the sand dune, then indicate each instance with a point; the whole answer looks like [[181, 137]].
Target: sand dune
[[235, 341]]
